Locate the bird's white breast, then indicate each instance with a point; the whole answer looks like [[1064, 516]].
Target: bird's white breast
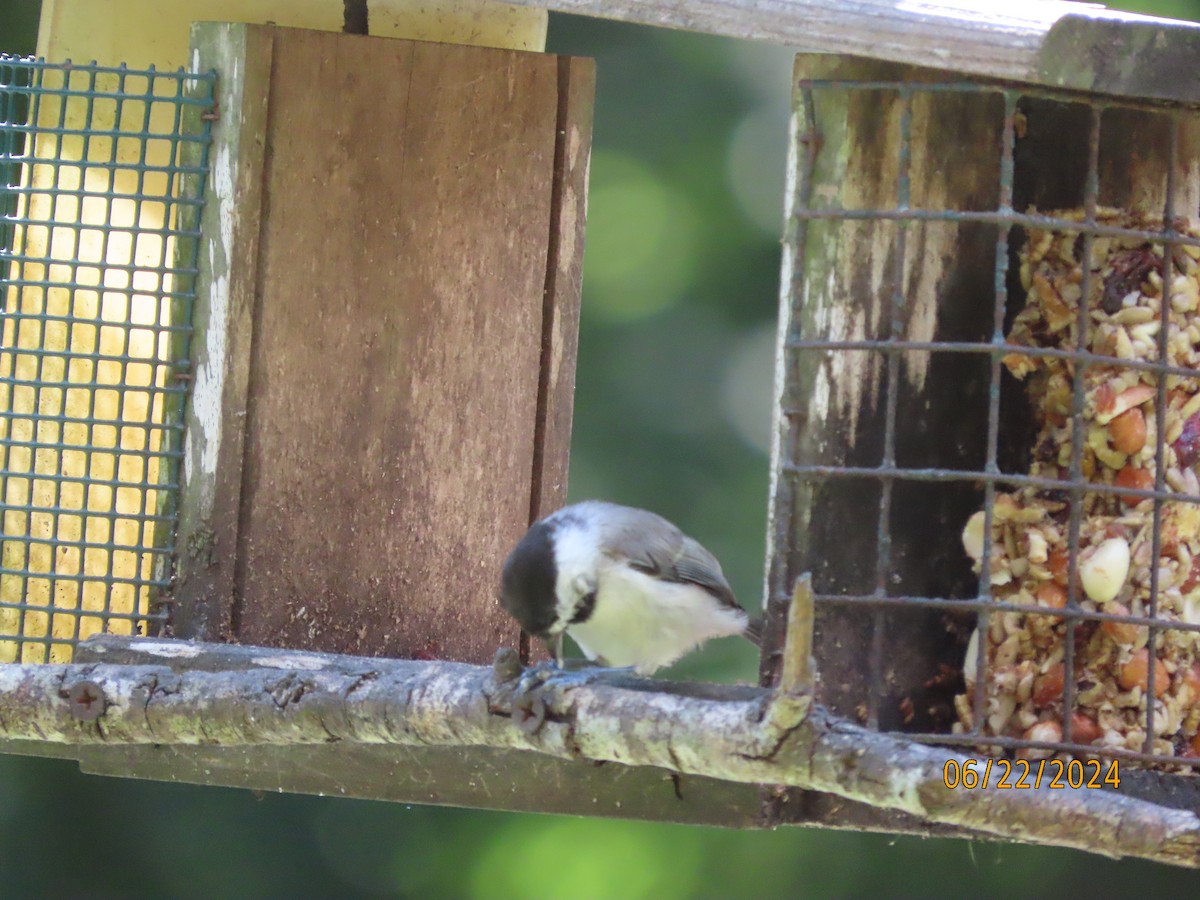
[[647, 623]]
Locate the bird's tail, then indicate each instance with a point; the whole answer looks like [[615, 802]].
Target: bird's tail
[[754, 630]]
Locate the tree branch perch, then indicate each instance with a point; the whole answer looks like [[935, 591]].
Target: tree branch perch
[[274, 697]]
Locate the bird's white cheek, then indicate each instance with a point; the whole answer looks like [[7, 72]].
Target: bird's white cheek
[[576, 561]]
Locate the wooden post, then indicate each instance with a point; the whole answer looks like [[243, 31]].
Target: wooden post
[[844, 280], [383, 381]]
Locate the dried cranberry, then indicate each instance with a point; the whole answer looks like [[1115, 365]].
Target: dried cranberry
[[1193, 576], [1083, 634], [1046, 451], [1187, 446], [1129, 270]]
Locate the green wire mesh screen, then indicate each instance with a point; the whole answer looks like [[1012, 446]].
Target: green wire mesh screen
[[102, 172]]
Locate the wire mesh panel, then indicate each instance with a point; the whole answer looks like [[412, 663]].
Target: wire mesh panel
[[991, 364], [102, 185]]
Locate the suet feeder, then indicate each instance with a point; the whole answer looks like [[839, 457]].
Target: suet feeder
[[974, 368], [379, 377]]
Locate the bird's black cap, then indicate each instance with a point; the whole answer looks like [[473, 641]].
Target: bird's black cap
[[528, 580]]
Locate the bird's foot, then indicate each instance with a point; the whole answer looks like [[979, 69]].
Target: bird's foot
[[571, 674], [529, 701]]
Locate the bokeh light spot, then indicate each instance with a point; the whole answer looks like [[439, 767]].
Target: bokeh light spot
[[577, 859], [641, 240], [756, 164], [748, 386]]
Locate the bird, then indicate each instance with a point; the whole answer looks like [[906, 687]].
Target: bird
[[632, 590]]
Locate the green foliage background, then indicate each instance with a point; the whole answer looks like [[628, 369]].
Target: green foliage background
[[680, 295]]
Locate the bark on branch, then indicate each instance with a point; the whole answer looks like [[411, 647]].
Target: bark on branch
[[737, 734]]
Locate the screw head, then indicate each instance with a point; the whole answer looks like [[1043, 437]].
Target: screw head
[[87, 700], [530, 711]]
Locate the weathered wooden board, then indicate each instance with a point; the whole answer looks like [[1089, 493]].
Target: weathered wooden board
[[483, 778], [1050, 42], [226, 284], [848, 280], [412, 357], [564, 284], [479, 778]]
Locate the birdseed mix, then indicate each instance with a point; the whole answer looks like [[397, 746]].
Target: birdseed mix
[[1029, 561]]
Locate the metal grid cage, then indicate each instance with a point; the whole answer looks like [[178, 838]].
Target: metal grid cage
[[934, 399], [102, 171]]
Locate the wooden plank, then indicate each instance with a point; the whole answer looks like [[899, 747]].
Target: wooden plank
[[477, 778], [1051, 42], [564, 283], [409, 196], [841, 282], [813, 808], [1135, 150], [215, 419], [560, 312]]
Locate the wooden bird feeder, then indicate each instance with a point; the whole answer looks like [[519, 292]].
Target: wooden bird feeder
[[381, 385]]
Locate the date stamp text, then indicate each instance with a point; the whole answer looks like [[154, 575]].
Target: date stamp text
[[1023, 774]]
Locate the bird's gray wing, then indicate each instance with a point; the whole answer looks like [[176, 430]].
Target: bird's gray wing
[[653, 545], [696, 565]]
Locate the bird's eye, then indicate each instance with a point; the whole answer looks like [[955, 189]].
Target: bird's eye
[[583, 611]]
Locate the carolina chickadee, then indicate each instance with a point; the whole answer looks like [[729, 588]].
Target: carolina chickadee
[[630, 587]]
